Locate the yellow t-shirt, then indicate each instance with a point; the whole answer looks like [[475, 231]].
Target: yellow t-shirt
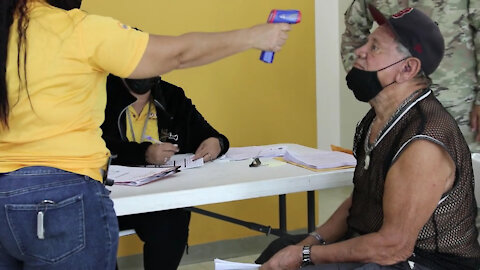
[[69, 56], [140, 122]]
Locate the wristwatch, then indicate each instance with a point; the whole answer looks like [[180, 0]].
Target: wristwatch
[[306, 260], [318, 237]]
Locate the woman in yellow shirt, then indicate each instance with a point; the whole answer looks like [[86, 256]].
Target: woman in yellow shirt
[[56, 213]]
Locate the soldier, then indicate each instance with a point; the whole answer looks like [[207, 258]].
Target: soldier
[[456, 81]]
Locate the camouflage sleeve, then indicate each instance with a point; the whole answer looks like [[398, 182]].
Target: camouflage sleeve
[[474, 17], [358, 23]]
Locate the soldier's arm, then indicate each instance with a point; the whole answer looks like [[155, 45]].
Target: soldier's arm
[[358, 23], [474, 18]]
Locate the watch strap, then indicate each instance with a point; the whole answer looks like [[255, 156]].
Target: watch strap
[[306, 259], [318, 237]]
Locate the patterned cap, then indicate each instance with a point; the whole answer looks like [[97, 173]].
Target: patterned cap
[[418, 33]]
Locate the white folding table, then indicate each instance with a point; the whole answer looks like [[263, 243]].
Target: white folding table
[[225, 181]]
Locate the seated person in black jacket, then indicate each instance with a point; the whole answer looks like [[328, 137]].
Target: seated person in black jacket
[[137, 109]]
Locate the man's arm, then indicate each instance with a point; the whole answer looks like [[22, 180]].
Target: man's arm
[[474, 18], [414, 186], [357, 28], [166, 53], [334, 228]]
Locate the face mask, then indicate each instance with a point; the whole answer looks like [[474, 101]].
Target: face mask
[[141, 86], [65, 4], [365, 84]]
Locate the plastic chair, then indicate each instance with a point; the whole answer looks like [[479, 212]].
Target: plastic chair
[[476, 175]]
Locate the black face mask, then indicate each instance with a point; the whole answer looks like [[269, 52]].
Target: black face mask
[[141, 86], [365, 84], [65, 4]]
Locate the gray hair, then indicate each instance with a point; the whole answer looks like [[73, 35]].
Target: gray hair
[[421, 76]]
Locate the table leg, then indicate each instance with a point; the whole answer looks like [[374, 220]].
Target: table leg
[[311, 210], [282, 209]]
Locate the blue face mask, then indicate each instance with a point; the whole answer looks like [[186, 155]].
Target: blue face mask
[[365, 84]]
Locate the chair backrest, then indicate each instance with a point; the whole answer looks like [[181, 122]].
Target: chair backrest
[[476, 174]]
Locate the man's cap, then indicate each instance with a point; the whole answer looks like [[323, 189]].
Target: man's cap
[[418, 33]]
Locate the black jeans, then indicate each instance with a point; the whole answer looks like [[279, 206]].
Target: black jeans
[[164, 233], [287, 240]]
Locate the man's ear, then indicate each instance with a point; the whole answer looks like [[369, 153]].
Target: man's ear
[[410, 68]]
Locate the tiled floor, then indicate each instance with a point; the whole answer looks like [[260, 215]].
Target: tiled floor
[[210, 266]]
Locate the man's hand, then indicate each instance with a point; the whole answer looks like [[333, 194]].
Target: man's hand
[[475, 121], [209, 149], [289, 258], [159, 154]]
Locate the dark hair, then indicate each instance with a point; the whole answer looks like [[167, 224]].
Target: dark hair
[[8, 8]]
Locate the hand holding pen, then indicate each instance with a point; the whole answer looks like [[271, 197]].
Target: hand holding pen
[[159, 152]]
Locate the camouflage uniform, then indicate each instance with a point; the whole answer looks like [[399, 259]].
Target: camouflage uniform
[[456, 81]]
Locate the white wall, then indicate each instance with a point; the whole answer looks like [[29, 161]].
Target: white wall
[[337, 110], [327, 73]]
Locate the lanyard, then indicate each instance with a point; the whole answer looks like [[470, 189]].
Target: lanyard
[[144, 124]]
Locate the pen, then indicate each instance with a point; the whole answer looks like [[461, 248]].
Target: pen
[[152, 139]]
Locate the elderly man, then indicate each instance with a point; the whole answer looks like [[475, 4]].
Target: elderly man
[[413, 205], [456, 81]]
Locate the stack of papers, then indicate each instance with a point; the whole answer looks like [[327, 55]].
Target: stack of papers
[[303, 156], [226, 265], [319, 159], [137, 176]]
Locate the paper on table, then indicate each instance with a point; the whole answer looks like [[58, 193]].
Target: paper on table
[[185, 161], [320, 159], [137, 176], [241, 153], [226, 265]]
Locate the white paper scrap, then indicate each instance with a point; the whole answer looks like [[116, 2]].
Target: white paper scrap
[[185, 161], [227, 265]]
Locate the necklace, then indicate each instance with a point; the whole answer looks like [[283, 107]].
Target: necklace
[[144, 125], [369, 147]]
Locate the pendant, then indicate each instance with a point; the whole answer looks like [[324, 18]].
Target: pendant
[[367, 162]]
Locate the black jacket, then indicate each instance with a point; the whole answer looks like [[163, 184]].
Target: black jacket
[[178, 122]]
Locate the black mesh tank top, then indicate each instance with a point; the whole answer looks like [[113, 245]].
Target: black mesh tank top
[[449, 239]]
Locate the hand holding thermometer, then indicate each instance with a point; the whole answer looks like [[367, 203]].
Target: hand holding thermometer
[[280, 16]]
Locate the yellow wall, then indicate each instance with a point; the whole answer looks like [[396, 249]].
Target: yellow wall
[[251, 102]]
